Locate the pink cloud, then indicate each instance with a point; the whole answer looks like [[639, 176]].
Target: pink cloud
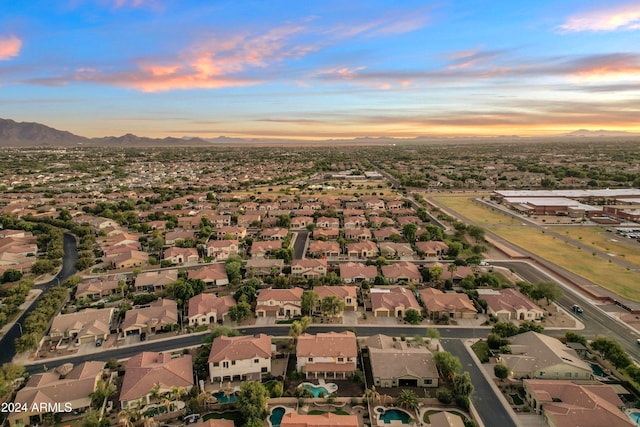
[[9, 47], [208, 64], [393, 22], [621, 18]]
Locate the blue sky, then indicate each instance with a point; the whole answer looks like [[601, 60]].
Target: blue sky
[[321, 69]]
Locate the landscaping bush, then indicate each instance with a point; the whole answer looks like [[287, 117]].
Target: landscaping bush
[[444, 396]]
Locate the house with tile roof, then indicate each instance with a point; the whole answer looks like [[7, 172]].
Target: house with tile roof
[[84, 326], [152, 281], [509, 304], [432, 248], [564, 403], [356, 272], [178, 255], [279, 303], [240, 358], [97, 288], [393, 302], [319, 248], [148, 370], [221, 250], [214, 274], [207, 309], [159, 315], [327, 355], [51, 388], [539, 356], [454, 305], [309, 268], [397, 363], [293, 419], [347, 294], [362, 250], [401, 271]]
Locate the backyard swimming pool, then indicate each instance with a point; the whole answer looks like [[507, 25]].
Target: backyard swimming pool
[[388, 415], [222, 398], [276, 416], [325, 390]]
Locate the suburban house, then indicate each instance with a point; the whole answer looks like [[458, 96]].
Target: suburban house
[[309, 268], [158, 315], [327, 355], [327, 222], [362, 250], [446, 419], [326, 233], [152, 281], [221, 250], [318, 248], [235, 232], [539, 356], [211, 274], [397, 363], [509, 304], [240, 358], [249, 219], [96, 289], [454, 305], [396, 250], [148, 370], [355, 221], [206, 309], [279, 303], [568, 404], [178, 236], [358, 233], [84, 326], [328, 419], [393, 302], [127, 258], [262, 249], [356, 272], [301, 221], [177, 255], [74, 388], [264, 267], [347, 294], [274, 233], [401, 271], [432, 248]]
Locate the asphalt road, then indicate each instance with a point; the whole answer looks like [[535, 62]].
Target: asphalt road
[[489, 407], [7, 342], [300, 243]]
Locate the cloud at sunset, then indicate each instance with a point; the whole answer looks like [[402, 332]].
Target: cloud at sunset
[[617, 18], [9, 47]]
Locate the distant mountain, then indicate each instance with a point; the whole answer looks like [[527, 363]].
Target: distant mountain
[[30, 134], [24, 134], [599, 133]]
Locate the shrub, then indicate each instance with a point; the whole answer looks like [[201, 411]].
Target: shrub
[[444, 396]]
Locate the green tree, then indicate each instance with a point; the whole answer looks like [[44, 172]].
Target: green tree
[[309, 301], [505, 329], [447, 364], [239, 312], [409, 232], [462, 386], [252, 402], [500, 371], [572, 336], [407, 399], [549, 291], [412, 316], [332, 306], [476, 232], [433, 333]]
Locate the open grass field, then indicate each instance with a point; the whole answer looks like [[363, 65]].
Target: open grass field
[[598, 238], [598, 270]]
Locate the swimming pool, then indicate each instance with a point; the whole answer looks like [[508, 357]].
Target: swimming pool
[[317, 390], [389, 415], [222, 398], [276, 416], [635, 416]]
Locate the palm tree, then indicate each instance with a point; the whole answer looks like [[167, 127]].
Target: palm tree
[[125, 418], [452, 268], [178, 392], [407, 399], [155, 393], [372, 395]]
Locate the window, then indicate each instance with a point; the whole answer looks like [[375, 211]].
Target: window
[[310, 359], [567, 374], [233, 362], [428, 382], [256, 360], [216, 364], [264, 369], [225, 364], [340, 359], [542, 373]]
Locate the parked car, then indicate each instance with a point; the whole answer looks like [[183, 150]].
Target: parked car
[[143, 336], [99, 342]]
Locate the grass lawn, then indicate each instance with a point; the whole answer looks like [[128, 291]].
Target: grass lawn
[[624, 248], [235, 416], [608, 275], [481, 349]]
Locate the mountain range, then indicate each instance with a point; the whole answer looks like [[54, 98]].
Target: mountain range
[[26, 134]]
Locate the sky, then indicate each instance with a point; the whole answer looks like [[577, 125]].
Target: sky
[[321, 69]]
